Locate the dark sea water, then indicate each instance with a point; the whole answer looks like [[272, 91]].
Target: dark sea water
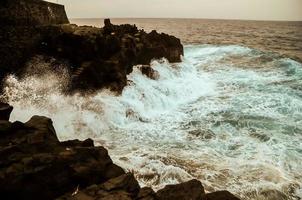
[[230, 114]]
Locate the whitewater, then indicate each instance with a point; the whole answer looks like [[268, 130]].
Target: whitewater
[[228, 115]]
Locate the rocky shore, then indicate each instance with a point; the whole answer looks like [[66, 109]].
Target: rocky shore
[[34, 164], [96, 58]]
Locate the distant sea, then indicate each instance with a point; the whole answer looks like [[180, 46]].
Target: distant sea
[[281, 37], [230, 114]]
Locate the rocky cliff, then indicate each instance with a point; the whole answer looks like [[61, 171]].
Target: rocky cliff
[[102, 57], [98, 57]]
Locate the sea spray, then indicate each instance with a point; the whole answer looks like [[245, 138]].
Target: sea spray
[[227, 115]]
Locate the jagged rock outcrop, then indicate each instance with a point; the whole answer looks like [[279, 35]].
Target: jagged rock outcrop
[[102, 57], [34, 164], [219, 195], [124, 187], [191, 190], [149, 72], [98, 57]]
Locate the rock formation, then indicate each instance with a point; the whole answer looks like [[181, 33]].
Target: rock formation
[[98, 57], [103, 57], [34, 164]]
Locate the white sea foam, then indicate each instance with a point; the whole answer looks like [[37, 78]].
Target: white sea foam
[[224, 115]]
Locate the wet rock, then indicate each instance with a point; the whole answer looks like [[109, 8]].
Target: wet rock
[[125, 182], [86, 143], [110, 52], [220, 195], [157, 45], [5, 126], [35, 165], [5, 111], [124, 187], [149, 72], [43, 130], [203, 134], [261, 137], [146, 194], [191, 190]]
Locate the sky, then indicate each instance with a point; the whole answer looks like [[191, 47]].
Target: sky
[[285, 10]]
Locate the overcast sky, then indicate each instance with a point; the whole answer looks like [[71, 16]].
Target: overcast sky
[[216, 9]]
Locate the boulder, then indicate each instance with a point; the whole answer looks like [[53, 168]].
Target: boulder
[[220, 195], [149, 72], [158, 46], [35, 165], [125, 182], [191, 190], [147, 194], [5, 111], [124, 187]]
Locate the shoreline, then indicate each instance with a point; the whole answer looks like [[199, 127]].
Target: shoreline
[[34, 164]]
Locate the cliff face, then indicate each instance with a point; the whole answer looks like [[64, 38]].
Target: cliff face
[[31, 12]]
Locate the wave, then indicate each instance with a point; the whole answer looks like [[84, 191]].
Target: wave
[[227, 115]]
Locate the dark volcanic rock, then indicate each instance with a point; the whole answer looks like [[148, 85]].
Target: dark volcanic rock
[[147, 194], [191, 190], [5, 111], [98, 57], [158, 46], [35, 165], [123, 187], [102, 58], [149, 72], [220, 195]]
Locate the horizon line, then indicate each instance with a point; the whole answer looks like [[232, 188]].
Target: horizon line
[[197, 18]]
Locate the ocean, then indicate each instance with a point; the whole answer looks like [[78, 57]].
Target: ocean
[[230, 114]]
